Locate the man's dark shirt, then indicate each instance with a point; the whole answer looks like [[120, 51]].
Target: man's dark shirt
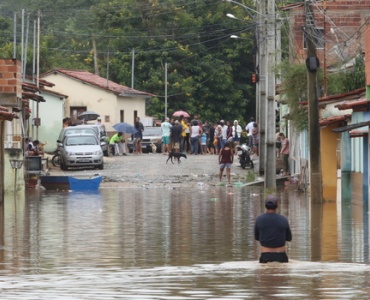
[[176, 133], [212, 133], [272, 230]]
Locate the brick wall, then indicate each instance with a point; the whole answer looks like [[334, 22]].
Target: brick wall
[[10, 82], [342, 26]]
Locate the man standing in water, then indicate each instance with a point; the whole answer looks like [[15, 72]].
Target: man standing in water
[[272, 231]]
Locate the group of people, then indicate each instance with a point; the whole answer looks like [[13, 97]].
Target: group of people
[[185, 136], [196, 137]]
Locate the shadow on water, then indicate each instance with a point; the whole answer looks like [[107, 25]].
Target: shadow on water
[[177, 243]]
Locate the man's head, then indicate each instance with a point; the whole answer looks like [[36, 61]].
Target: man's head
[[177, 122], [167, 119], [271, 202], [98, 119]]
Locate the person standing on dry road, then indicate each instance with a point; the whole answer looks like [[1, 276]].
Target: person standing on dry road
[[225, 160]]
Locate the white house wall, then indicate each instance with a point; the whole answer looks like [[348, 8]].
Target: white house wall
[[51, 113], [129, 105], [96, 99]]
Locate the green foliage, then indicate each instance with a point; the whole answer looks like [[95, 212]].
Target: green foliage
[[208, 73], [346, 80], [294, 86]]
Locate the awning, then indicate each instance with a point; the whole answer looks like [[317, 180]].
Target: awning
[[352, 126]]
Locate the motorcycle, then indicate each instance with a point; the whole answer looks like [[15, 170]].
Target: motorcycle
[[244, 154]]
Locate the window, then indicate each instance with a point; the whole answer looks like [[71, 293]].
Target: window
[[135, 116], [318, 38], [74, 111], [122, 115]]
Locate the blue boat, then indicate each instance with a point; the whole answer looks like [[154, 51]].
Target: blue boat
[[84, 184], [65, 183], [58, 183]]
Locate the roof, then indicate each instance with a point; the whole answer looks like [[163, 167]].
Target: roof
[[335, 119], [100, 82], [29, 91], [53, 93], [362, 103], [352, 126], [347, 96], [6, 115]]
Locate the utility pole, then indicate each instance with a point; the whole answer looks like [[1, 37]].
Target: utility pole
[[261, 85], [165, 89], [270, 160], [312, 63], [133, 68]]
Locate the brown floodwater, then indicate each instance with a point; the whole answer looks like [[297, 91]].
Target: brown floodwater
[[177, 243]]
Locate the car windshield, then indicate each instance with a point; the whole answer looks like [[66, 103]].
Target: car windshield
[[81, 140], [80, 130]]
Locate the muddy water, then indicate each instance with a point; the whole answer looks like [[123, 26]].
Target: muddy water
[[177, 243]]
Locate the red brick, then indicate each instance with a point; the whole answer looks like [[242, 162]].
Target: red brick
[[13, 69], [12, 82], [9, 89]]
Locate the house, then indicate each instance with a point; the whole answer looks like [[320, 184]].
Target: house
[[339, 35], [89, 92], [40, 123]]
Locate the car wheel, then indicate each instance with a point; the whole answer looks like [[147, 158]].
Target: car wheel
[[106, 153], [159, 148], [101, 167]]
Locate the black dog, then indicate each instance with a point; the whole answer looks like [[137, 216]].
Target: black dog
[[176, 155]]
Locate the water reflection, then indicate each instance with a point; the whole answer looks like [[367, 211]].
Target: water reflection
[[177, 243]]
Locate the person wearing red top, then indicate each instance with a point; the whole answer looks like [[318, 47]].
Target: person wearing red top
[[225, 159]]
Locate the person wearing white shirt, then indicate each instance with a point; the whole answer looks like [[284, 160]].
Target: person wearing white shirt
[[237, 130], [249, 126]]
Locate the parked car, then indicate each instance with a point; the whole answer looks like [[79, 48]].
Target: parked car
[[97, 130], [80, 150], [150, 135]]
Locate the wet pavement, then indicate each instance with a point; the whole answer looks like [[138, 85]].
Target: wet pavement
[[136, 170]]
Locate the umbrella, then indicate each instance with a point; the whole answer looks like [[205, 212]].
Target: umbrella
[[88, 115], [125, 128], [181, 112]]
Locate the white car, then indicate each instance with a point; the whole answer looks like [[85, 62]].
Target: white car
[[97, 130], [80, 150], [151, 135]]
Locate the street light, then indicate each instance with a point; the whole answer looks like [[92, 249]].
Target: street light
[[16, 164], [248, 9], [231, 16]]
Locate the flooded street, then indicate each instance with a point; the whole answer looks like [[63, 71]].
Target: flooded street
[[177, 243]]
